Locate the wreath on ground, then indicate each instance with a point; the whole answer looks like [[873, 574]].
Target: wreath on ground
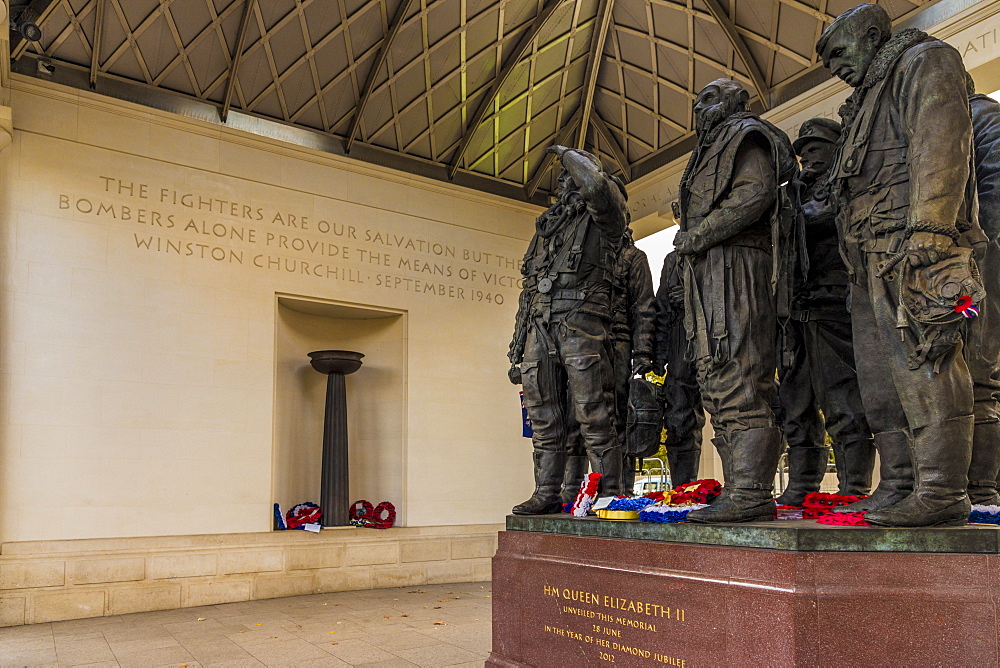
[[364, 514]]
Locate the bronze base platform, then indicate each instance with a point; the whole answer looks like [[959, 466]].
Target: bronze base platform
[[587, 592]]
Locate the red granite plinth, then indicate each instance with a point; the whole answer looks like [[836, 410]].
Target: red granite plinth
[[561, 600]]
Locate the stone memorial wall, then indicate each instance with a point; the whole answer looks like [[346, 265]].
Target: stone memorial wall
[[143, 257]]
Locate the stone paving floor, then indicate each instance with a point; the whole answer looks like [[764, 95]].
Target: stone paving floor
[[429, 625]]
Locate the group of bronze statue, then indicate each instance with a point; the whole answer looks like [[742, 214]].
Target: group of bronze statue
[[832, 293]]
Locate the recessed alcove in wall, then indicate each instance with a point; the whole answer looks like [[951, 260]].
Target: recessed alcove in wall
[[376, 399]]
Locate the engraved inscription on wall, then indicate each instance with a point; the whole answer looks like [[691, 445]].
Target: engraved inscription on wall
[[203, 227]]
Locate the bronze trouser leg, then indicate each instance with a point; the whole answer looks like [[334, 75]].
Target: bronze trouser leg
[[622, 360], [927, 403], [982, 353], [831, 362], [736, 377], [683, 418], [737, 384], [583, 341], [545, 398], [576, 458], [798, 413]]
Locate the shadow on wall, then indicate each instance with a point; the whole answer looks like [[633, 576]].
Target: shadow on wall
[[376, 400]]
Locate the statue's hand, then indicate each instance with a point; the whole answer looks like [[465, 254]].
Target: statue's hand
[[926, 248], [684, 243], [676, 297], [514, 373], [557, 149]]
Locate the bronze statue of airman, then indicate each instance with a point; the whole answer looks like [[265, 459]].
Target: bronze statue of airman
[[816, 365], [562, 346], [730, 201], [907, 222]]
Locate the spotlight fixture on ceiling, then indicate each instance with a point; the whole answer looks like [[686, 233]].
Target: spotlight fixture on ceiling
[[22, 21]]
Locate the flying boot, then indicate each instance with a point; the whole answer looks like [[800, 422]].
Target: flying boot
[[941, 456], [576, 469], [608, 462], [549, 470], [985, 466], [628, 475], [896, 470], [806, 468], [753, 462], [725, 450], [855, 462], [683, 466]]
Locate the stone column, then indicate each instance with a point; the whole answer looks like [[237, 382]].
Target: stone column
[[6, 117], [335, 487]]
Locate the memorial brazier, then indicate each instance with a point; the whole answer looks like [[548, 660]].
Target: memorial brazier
[[335, 489]]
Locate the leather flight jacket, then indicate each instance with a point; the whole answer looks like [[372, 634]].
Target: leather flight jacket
[[707, 180]]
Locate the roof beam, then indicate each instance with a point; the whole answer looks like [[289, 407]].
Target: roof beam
[[593, 67], [523, 45], [742, 52], [234, 64], [616, 150], [547, 158], [383, 55], [664, 155], [95, 56], [42, 9]]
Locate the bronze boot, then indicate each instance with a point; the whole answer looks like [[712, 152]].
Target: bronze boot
[[753, 462], [985, 466], [941, 456], [806, 468], [576, 469], [725, 451], [896, 470], [628, 475], [683, 466], [607, 462], [855, 463], [549, 469]]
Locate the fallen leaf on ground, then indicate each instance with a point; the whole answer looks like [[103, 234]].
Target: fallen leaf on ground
[[385, 616], [437, 607], [404, 615], [438, 623], [201, 619]]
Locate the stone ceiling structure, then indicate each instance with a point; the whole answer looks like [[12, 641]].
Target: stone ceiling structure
[[466, 90]]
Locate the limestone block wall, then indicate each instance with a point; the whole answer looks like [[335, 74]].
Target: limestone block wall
[[49, 581]]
